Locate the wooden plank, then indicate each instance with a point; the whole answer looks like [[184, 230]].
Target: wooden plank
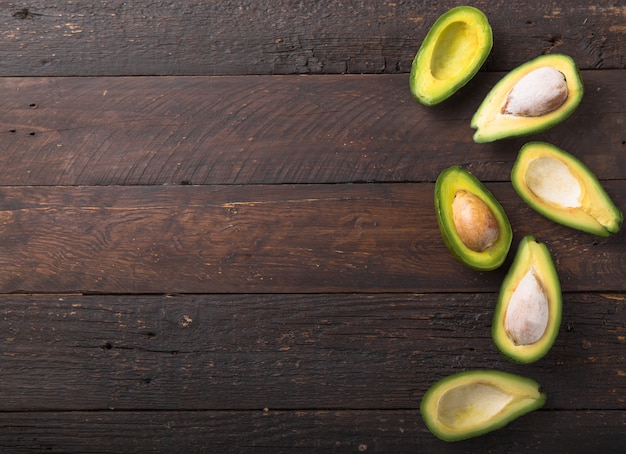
[[288, 37], [276, 238], [289, 352], [211, 279], [273, 130], [392, 431]]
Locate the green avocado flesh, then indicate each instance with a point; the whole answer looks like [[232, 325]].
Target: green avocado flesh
[[472, 222], [471, 403], [550, 81], [528, 314], [563, 189], [452, 52]]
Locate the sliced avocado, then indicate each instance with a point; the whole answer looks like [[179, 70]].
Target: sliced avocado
[[472, 403], [452, 52], [545, 91], [528, 314], [563, 189], [472, 222]]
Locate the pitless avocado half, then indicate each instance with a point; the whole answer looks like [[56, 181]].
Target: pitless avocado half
[[452, 52], [562, 188], [471, 403]]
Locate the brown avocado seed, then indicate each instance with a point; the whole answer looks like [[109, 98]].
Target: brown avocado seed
[[474, 222]]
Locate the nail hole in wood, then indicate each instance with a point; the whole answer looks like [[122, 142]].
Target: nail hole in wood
[[24, 13]]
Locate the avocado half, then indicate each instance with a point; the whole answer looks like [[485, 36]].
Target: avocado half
[[563, 189], [472, 403], [493, 122], [472, 222], [527, 317], [452, 52]]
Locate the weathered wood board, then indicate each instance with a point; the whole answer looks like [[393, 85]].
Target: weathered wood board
[[217, 229]]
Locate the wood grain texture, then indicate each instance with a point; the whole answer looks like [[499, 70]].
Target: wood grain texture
[[251, 262], [287, 352], [273, 130], [388, 431], [275, 238], [190, 37]]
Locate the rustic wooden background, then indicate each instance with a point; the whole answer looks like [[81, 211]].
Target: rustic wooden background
[[217, 229]]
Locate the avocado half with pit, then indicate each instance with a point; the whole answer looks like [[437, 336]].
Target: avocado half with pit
[[533, 97], [472, 222], [527, 317], [452, 52], [472, 403], [562, 188]]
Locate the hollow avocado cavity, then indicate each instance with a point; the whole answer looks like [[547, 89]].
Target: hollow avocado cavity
[[454, 48], [471, 405], [562, 188], [551, 180], [452, 52], [474, 402]]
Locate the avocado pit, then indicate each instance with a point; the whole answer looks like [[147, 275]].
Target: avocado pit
[[538, 93], [527, 313], [474, 222]]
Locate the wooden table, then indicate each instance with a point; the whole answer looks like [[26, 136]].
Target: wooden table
[[218, 230]]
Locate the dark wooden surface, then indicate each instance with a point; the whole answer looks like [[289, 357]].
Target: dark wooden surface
[[217, 229]]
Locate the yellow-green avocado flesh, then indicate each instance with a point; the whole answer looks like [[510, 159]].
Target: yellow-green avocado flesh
[[452, 52], [448, 184], [492, 123], [527, 317], [562, 188], [472, 403]]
